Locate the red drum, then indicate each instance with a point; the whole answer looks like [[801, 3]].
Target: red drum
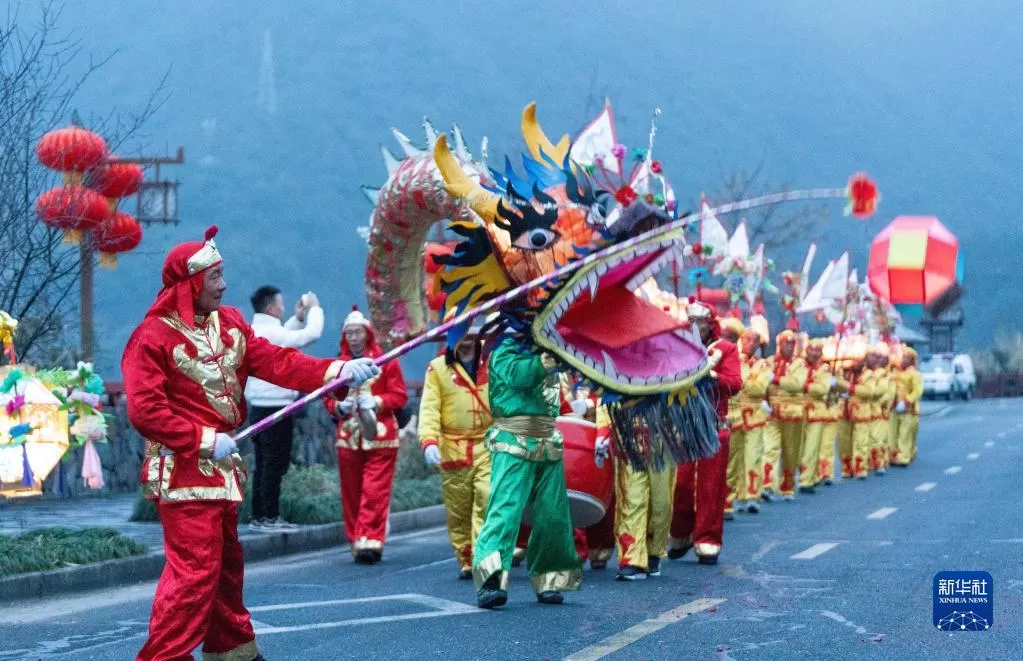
[[590, 488]]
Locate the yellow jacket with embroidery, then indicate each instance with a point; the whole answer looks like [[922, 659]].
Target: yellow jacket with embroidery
[[909, 388], [454, 412], [745, 411], [884, 393], [785, 391], [862, 393], [817, 388]]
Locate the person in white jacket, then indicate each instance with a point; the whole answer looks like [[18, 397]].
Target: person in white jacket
[[273, 446]]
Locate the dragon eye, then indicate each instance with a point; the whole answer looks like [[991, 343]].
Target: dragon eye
[[537, 238]]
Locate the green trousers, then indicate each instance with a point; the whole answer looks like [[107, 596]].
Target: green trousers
[[516, 482]]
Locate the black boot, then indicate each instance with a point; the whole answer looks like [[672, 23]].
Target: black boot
[[550, 597], [491, 598]]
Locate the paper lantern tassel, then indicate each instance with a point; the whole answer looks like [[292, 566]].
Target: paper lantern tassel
[[108, 260], [92, 469]]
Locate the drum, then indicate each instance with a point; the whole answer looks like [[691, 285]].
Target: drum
[[590, 488]]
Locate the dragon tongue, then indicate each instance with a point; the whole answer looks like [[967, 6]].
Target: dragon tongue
[[622, 319]]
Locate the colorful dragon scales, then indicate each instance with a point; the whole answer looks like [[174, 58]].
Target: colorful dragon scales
[[562, 212], [649, 365]]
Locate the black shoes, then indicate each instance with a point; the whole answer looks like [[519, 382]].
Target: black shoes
[[630, 573], [491, 598], [549, 597], [707, 559], [807, 490], [465, 575], [653, 566], [677, 553], [367, 557]]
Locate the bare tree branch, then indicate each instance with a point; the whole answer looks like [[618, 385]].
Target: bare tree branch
[[41, 74]]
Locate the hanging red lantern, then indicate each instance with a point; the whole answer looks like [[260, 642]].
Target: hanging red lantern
[[115, 180], [121, 233], [71, 150], [73, 209], [862, 196]]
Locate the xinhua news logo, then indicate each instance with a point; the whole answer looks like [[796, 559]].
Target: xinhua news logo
[[964, 601]]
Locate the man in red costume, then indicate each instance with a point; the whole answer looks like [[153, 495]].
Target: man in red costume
[[367, 442], [185, 369], [700, 492]]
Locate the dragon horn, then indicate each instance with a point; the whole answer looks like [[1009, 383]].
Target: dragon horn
[[537, 140], [457, 183]]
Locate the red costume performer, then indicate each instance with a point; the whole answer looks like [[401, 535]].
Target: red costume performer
[[702, 487], [185, 369], [366, 462]]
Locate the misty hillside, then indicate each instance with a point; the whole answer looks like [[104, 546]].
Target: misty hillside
[[281, 108]]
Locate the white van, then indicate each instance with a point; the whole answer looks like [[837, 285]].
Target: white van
[[948, 375]]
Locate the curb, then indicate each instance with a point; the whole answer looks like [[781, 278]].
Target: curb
[[142, 568]]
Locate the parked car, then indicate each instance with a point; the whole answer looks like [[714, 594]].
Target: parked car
[[948, 375]]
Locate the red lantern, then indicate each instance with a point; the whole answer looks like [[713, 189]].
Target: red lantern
[[72, 209], [862, 195], [71, 150], [115, 180], [119, 234], [913, 260]]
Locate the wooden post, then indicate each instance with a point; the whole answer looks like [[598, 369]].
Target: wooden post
[[85, 297]]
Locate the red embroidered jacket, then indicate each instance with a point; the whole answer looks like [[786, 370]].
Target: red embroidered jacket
[[184, 385], [729, 375]]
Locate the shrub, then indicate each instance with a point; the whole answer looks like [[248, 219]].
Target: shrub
[[53, 548]]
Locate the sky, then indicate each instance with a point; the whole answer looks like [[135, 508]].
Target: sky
[[924, 96]]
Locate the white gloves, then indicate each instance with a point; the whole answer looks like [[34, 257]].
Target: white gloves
[[346, 407], [432, 455], [548, 361], [602, 451], [367, 401], [900, 407], [224, 446], [579, 407], [767, 407], [834, 381], [358, 371]]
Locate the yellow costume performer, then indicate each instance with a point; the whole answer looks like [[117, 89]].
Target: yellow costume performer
[[909, 388], [644, 502], [454, 415], [784, 431], [747, 418], [835, 426], [881, 405], [817, 389], [854, 438]]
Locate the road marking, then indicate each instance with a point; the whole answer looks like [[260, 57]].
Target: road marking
[[952, 470], [973, 456], [989, 444], [814, 551], [942, 413], [882, 513], [439, 608], [1013, 540], [424, 566], [763, 550], [616, 642], [926, 486]]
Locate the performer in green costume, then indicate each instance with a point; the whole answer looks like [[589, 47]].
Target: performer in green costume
[[526, 470]]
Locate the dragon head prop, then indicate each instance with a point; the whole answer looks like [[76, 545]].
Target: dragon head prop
[[596, 321]]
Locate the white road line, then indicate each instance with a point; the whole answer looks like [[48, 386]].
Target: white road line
[[616, 642], [882, 513], [926, 486], [989, 444], [814, 551], [973, 456], [942, 413], [440, 608], [952, 470], [763, 550], [424, 566], [1013, 540]]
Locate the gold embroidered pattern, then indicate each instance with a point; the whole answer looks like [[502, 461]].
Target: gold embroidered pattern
[[486, 568], [214, 366], [557, 581]]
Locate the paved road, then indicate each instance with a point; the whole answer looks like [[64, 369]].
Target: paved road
[[843, 574]]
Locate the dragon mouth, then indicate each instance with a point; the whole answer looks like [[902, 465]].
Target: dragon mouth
[[600, 323]]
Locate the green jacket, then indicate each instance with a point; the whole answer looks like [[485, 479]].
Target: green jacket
[[520, 386]]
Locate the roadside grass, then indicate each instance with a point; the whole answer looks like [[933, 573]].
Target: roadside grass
[[54, 548]]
